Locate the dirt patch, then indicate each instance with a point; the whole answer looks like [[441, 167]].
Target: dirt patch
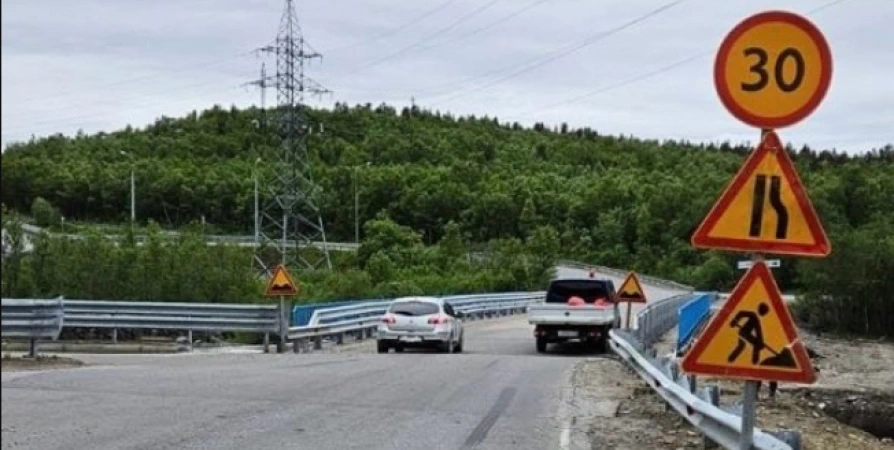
[[16, 363], [852, 364], [871, 412], [644, 422], [640, 420], [812, 412]]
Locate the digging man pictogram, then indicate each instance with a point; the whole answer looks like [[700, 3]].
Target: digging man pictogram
[[750, 332]]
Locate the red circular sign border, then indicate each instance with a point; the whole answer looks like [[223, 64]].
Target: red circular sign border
[[723, 53]]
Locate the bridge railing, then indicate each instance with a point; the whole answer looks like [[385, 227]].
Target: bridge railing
[[646, 279]]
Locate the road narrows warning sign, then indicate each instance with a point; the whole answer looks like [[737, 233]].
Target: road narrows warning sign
[[765, 208], [631, 290], [752, 337], [281, 283]]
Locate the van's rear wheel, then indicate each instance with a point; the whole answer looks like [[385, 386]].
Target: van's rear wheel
[[601, 346], [541, 345]]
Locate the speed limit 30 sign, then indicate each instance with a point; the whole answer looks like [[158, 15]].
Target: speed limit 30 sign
[[773, 69]]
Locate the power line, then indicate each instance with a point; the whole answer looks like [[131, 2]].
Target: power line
[[621, 84], [653, 73], [483, 27], [571, 49], [393, 31], [404, 50], [439, 87]]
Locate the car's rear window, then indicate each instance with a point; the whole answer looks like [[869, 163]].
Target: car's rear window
[[589, 291], [414, 308]]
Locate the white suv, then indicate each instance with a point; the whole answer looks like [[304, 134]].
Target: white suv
[[420, 322]]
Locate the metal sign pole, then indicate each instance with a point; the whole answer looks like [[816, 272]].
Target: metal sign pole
[[749, 403], [749, 394], [281, 345]]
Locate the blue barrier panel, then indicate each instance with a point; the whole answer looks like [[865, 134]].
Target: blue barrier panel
[[692, 314], [301, 314]]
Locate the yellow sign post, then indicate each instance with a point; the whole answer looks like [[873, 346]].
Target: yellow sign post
[[281, 285], [631, 291], [771, 71]]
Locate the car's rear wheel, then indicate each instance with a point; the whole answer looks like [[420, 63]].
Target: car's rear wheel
[[446, 346], [459, 345], [541, 345], [382, 346]]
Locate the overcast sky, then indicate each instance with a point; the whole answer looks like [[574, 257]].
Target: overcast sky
[[99, 65]]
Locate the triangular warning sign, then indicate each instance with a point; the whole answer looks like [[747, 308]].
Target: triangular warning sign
[[631, 291], [752, 337], [764, 209], [281, 283]]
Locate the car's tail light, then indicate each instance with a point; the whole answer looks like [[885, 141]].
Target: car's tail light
[[389, 319], [437, 320]]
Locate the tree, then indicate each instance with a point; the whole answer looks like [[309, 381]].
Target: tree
[[45, 215]]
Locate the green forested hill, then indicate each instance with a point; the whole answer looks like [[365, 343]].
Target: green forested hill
[[618, 201]]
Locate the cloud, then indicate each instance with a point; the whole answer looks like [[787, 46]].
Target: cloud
[[100, 65]]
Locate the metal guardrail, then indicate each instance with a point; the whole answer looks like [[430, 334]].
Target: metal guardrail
[[174, 316], [362, 318], [701, 407], [658, 318], [31, 319]]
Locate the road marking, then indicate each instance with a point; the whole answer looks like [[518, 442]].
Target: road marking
[[565, 414], [488, 421]]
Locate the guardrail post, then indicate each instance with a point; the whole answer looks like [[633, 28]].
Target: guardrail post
[[114, 335], [32, 348], [189, 338], [318, 342], [267, 342], [340, 338], [361, 334], [714, 399], [296, 346], [674, 370]]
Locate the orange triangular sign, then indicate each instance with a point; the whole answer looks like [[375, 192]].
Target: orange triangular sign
[[765, 209], [281, 283], [631, 291], [752, 337]]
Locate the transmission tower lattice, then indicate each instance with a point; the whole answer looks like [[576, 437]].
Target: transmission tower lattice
[[289, 227]]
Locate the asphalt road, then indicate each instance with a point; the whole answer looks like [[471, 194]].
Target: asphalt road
[[499, 394]]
